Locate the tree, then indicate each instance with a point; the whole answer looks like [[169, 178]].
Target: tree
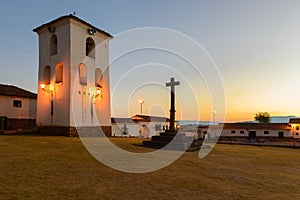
[[262, 117]]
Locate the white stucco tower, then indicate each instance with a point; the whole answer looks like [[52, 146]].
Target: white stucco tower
[[73, 77]]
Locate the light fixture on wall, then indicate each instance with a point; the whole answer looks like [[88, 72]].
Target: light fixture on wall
[[98, 91], [91, 31], [45, 88]]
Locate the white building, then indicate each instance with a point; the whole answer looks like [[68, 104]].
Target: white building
[[73, 77], [248, 130], [143, 126], [17, 108]]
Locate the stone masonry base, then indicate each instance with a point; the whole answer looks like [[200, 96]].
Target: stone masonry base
[[75, 132]]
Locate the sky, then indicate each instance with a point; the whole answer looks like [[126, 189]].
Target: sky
[[254, 44]]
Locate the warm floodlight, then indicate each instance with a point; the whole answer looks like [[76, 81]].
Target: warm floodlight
[[141, 101], [43, 86], [98, 91]]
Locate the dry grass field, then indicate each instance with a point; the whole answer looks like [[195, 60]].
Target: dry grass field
[[39, 167]]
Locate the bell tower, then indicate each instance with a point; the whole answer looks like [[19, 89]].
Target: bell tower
[[73, 77]]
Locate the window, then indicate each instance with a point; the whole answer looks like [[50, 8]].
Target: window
[[233, 132], [17, 103], [53, 45], [157, 127], [297, 133], [242, 132], [82, 74], [124, 129], [90, 47], [59, 73], [98, 78], [297, 128], [266, 132], [47, 73]]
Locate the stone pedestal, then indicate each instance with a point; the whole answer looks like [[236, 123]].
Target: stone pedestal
[[173, 140]]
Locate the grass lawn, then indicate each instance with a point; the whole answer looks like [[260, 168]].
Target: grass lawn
[[39, 167]]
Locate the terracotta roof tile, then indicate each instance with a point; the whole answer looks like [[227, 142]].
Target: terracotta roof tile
[[250, 126], [294, 121], [140, 118], [115, 120], [267, 126], [10, 90], [148, 118]]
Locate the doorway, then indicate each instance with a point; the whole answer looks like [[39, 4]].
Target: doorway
[[280, 135], [3, 123], [144, 131], [252, 134]]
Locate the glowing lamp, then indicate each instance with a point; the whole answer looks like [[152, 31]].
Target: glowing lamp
[[141, 101], [43, 86], [98, 91], [46, 89]]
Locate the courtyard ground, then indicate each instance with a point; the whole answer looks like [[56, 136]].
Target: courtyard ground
[[41, 167]]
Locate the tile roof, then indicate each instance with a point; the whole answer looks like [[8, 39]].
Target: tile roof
[[250, 126], [10, 90], [71, 17], [115, 120], [149, 118], [294, 121]]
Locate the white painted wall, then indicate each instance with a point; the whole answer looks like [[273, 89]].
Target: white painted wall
[[61, 92], [71, 39], [259, 132], [27, 111], [134, 129], [85, 95]]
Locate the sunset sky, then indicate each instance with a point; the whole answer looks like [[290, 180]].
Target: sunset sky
[[254, 44]]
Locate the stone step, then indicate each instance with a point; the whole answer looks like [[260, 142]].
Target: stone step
[[168, 138], [195, 146], [172, 146]]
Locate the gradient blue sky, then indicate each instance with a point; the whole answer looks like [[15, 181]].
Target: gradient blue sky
[[255, 44]]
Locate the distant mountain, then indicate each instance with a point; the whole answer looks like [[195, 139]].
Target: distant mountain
[[195, 122], [281, 119], [276, 119]]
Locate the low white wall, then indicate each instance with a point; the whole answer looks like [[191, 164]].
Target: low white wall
[[259, 133], [135, 129]]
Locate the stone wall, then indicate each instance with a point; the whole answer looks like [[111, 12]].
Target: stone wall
[[15, 124], [75, 132]]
